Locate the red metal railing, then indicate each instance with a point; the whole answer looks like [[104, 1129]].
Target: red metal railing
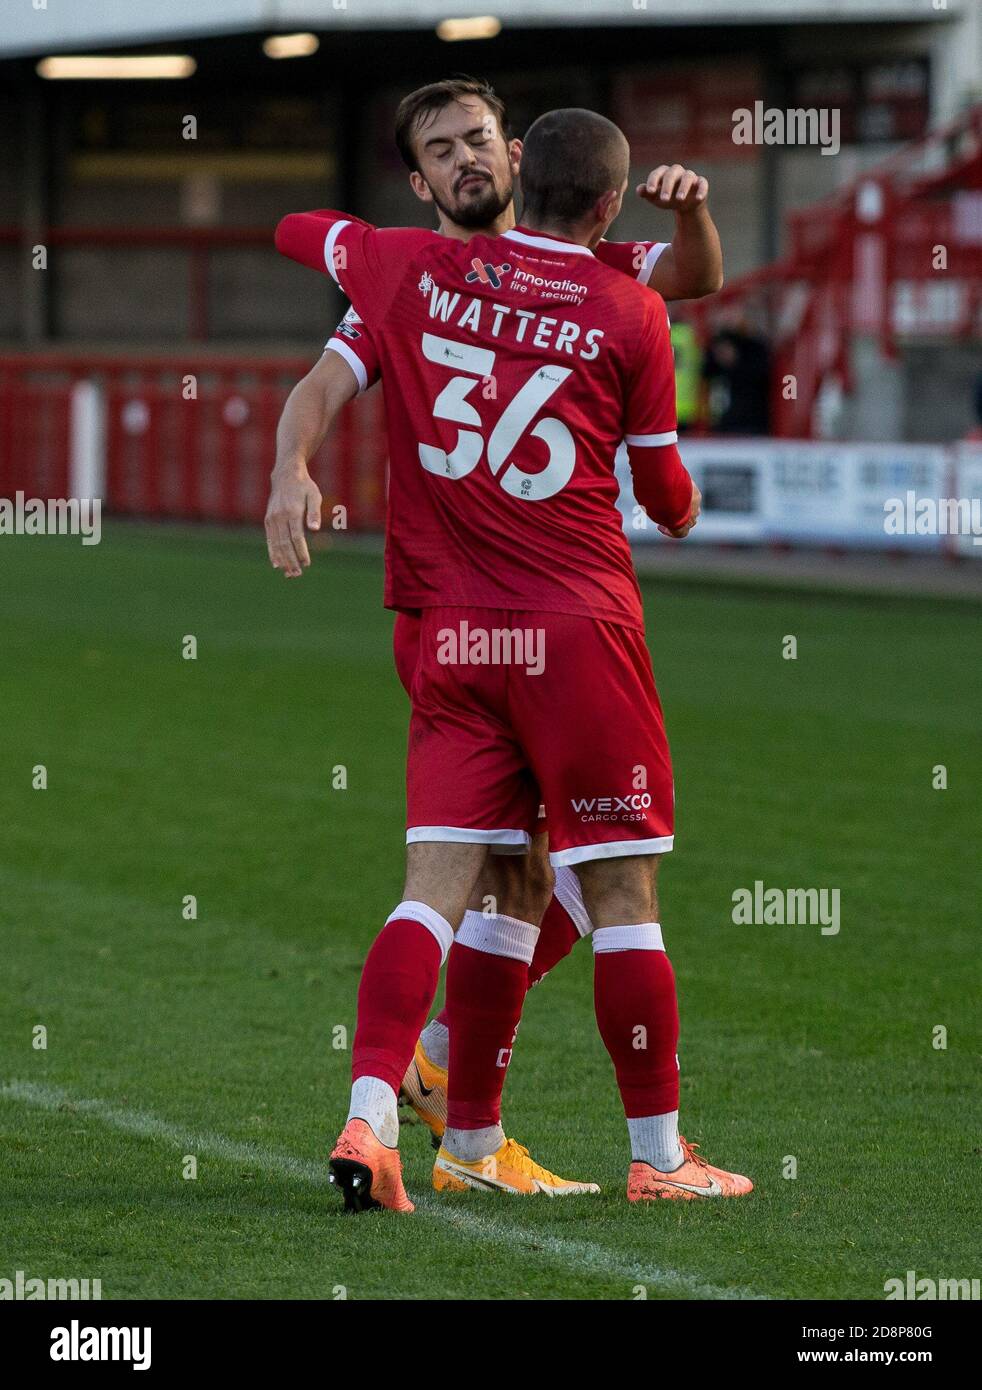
[[896, 254], [185, 437], [197, 242]]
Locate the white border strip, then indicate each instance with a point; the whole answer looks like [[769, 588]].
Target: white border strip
[[569, 895], [548, 243], [641, 936], [610, 849], [457, 834], [648, 264], [409, 910], [353, 360], [329, 241], [651, 441]]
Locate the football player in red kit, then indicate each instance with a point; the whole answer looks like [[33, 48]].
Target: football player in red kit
[[445, 132], [515, 366]]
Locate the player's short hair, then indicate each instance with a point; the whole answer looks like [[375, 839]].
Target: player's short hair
[[570, 158], [426, 101]]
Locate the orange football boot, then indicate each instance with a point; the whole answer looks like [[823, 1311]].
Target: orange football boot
[[368, 1173], [694, 1179]]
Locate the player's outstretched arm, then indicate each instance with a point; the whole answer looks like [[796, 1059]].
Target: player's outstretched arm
[[294, 497], [302, 236], [692, 265]]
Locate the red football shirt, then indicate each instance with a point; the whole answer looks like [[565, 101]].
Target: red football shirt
[[352, 339], [515, 365]]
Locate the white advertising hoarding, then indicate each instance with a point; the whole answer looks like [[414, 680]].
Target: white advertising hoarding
[[968, 489], [804, 492]]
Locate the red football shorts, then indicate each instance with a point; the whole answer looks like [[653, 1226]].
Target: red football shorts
[[405, 650], [505, 703]]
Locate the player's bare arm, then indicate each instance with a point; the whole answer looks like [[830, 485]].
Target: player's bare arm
[[294, 497], [692, 265]]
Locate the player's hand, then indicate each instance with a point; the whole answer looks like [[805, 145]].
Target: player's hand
[[674, 188], [694, 510], [294, 499]]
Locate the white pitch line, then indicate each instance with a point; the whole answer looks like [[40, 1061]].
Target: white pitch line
[[573, 1254], [147, 1126], [578, 1254]]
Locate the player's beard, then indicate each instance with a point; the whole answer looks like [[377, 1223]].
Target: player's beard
[[479, 209]]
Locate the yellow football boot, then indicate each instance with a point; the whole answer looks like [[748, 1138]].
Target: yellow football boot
[[511, 1170], [424, 1087]]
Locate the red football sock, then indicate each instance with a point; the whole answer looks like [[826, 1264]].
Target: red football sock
[[395, 995], [635, 991], [557, 937], [485, 994]]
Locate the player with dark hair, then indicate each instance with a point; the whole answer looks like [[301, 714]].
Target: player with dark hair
[[489, 540], [454, 139]]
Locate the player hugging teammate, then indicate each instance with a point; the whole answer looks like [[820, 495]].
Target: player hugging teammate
[[516, 359]]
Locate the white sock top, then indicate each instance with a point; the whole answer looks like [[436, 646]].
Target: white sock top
[[640, 936]]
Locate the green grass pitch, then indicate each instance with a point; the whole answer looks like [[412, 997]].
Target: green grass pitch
[[214, 1037]]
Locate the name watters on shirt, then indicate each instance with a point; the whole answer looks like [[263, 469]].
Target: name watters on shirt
[[542, 331]]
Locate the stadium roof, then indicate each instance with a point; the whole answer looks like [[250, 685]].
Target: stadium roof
[[109, 23]]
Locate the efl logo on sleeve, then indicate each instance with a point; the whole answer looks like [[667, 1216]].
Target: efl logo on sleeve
[[349, 325]]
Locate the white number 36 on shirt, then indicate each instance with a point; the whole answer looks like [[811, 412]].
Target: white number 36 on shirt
[[452, 404]]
